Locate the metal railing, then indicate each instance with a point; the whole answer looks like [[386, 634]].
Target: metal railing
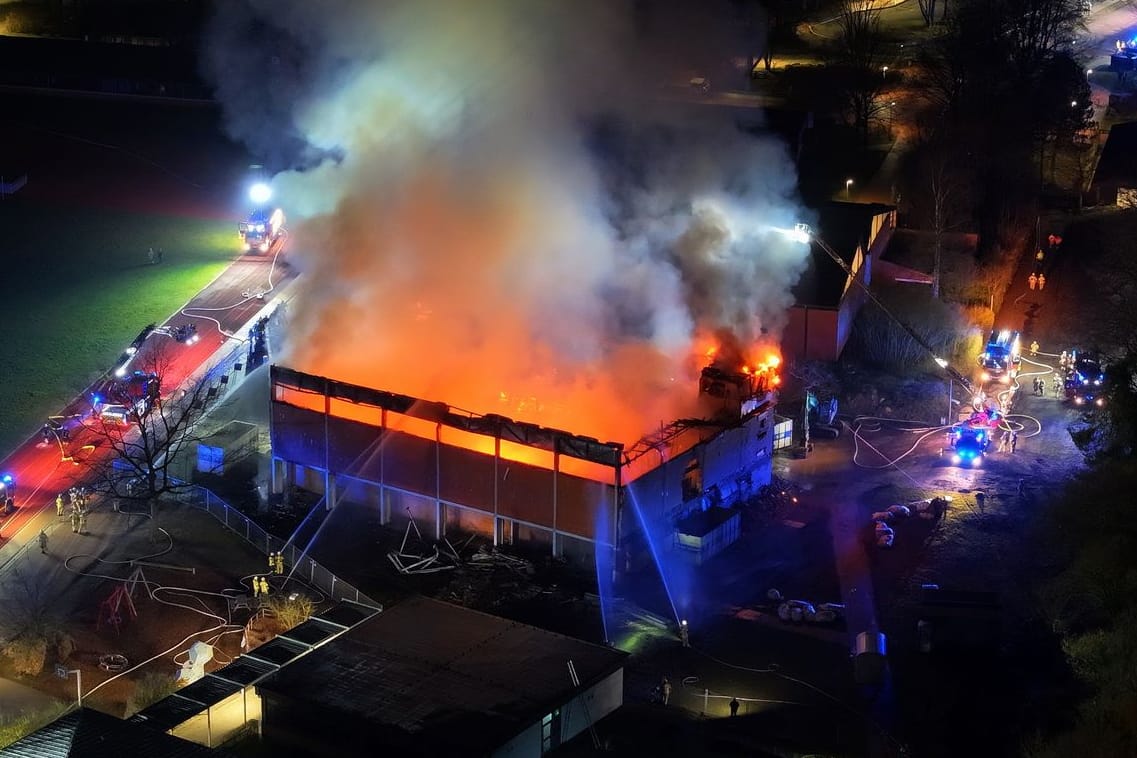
[[297, 564]]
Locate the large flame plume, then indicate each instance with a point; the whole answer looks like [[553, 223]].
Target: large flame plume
[[496, 211]]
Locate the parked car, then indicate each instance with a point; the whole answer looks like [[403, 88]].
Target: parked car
[[118, 413]]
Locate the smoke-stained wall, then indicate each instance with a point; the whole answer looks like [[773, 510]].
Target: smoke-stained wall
[[493, 206]]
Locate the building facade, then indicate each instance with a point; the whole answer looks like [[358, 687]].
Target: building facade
[[521, 484]]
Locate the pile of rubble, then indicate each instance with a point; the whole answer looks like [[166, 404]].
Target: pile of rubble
[[930, 509], [493, 578], [798, 611], [482, 575], [419, 557]]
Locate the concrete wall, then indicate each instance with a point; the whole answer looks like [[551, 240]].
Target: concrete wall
[[811, 334]]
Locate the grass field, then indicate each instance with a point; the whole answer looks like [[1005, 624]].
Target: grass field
[[75, 289]]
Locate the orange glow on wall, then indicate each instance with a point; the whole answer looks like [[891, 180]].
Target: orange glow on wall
[[366, 414], [479, 443], [596, 472], [308, 400], [416, 427], [512, 451]]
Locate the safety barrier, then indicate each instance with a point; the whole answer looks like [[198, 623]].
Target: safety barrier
[[296, 563]]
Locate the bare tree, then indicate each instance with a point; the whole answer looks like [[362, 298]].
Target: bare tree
[[1037, 29], [859, 65], [1084, 154], [945, 190], [31, 624], [928, 11], [137, 463]]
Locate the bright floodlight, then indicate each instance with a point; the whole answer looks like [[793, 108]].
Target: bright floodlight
[[941, 362], [800, 233], [260, 193]]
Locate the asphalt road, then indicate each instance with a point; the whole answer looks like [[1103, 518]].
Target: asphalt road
[[222, 312]]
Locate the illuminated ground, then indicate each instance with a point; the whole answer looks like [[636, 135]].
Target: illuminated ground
[[106, 181], [65, 579]]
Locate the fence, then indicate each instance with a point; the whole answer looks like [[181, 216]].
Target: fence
[[297, 564]]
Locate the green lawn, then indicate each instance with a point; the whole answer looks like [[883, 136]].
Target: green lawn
[[77, 287]]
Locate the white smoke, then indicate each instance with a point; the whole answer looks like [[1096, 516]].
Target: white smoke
[[496, 212]]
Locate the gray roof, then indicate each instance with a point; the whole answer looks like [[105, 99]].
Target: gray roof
[[423, 668], [1118, 161], [86, 733]]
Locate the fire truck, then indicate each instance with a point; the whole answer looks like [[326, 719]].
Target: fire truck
[[1001, 359], [133, 393], [263, 228], [969, 440], [1085, 380]]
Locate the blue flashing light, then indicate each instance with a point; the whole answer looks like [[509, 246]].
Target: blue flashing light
[[7, 479]]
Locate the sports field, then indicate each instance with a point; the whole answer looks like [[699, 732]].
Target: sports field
[[106, 182]]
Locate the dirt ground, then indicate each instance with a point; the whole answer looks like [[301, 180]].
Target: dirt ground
[[179, 600]]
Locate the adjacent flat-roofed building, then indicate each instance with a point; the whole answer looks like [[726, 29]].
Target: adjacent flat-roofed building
[[87, 733], [426, 678]]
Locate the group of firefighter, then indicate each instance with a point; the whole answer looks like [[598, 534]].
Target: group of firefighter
[[77, 499], [275, 566], [1037, 278]]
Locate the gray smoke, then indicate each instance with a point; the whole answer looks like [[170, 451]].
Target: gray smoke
[[493, 207]]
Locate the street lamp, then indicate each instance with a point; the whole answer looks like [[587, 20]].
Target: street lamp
[[848, 185], [884, 72]]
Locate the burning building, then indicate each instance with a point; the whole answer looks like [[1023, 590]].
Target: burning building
[[489, 208], [515, 482]]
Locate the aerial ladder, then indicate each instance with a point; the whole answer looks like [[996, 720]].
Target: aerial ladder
[[803, 233]]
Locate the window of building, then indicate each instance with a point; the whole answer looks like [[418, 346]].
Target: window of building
[[550, 731]]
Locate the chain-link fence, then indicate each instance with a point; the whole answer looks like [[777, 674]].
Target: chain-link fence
[[297, 564]]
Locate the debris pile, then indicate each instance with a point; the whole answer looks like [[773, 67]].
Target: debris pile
[[930, 509], [798, 611], [491, 578], [421, 558]]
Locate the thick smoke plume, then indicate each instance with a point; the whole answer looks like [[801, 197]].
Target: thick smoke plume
[[496, 209]]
